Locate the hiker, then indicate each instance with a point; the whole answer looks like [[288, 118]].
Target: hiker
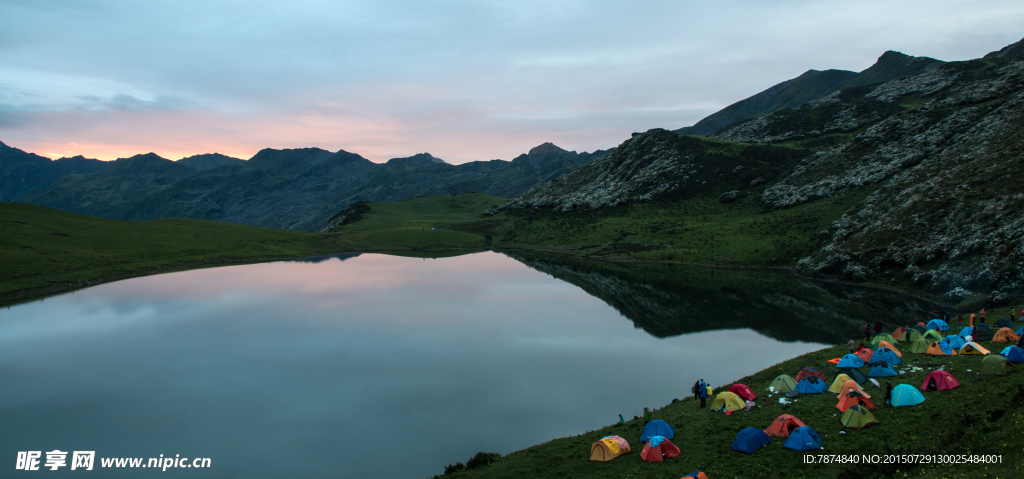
[[696, 390], [983, 315], [861, 347], [888, 393], [852, 346], [960, 322], [867, 332], [703, 393], [878, 327]]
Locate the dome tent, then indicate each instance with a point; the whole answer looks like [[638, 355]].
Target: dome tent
[[1014, 354], [696, 475], [805, 372], [1005, 335], [881, 370], [994, 366], [864, 355], [1004, 322], [937, 325], [918, 347], [855, 375], [657, 427], [803, 439], [729, 401], [784, 383], [657, 449], [783, 425], [837, 384], [906, 395], [968, 331], [973, 348], [750, 440], [811, 385], [882, 337], [858, 417], [983, 333], [939, 380], [853, 398], [955, 342], [850, 361], [885, 355], [608, 448], [743, 391], [931, 335]]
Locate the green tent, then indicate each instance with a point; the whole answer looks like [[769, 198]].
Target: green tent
[[919, 328], [914, 336], [919, 346], [784, 383], [858, 417], [994, 365], [931, 335], [883, 337], [854, 374]]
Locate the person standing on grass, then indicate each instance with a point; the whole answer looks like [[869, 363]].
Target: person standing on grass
[[982, 315], [696, 390], [703, 393], [888, 393], [867, 332], [853, 346], [960, 322]]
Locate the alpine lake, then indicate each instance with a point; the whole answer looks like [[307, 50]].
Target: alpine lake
[[376, 366]]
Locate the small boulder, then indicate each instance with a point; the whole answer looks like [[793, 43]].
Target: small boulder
[[729, 196]]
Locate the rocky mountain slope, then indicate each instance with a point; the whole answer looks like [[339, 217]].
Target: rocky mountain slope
[[808, 87], [22, 172], [292, 189], [939, 155]]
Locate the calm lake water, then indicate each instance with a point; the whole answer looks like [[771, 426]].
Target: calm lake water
[[382, 366]]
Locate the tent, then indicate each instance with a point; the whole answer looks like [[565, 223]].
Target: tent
[[937, 325], [810, 372], [1004, 322], [855, 375], [858, 417], [742, 391], [864, 355], [919, 327], [881, 370], [885, 355], [657, 449], [811, 385], [837, 385], [906, 395], [994, 365], [973, 348], [883, 344], [784, 383], [852, 385], [608, 448], [853, 398], [803, 439], [983, 333], [696, 475], [729, 401], [919, 347], [658, 427], [882, 337], [968, 331], [955, 342], [939, 380], [1005, 335], [783, 425], [1020, 331], [898, 334], [939, 348], [931, 335], [1014, 354], [1020, 342], [850, 361], [750, 440]]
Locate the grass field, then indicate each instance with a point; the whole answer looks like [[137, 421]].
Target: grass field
[[43, 250], [985, 416]]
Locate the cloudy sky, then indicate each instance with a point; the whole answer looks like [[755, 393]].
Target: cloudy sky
[[463, 80]]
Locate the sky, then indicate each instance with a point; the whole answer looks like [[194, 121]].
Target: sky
[[462, 80]]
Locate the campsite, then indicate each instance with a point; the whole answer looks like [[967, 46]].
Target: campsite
[[947, 404]]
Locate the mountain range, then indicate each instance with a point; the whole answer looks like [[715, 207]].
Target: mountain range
[[290, 189]]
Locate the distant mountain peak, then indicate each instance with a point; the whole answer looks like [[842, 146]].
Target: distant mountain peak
[[546, 148], [419, 159], [1013, 51]]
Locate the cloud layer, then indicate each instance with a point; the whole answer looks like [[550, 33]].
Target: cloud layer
[[463, 80]]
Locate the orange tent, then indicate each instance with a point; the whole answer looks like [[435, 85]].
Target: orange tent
[[885, 344], [783, 425], [853, 399], [864, 355], [608, 448], [1005, 335], [899, 332], [695, 475], [852, 385], [936, 350], [657, 453]]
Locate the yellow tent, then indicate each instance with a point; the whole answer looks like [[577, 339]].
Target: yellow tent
[[851, 385], [973, 348], [608, 448], [731, 401], [837, 385]]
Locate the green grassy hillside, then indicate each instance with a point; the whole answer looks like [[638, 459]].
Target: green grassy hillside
[[985, 416], [43, 250]]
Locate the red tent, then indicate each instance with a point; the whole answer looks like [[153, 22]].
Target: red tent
[[865, 355], [783, 425], [853, 399], [743, 391], [899, 332], [943, 381], [807, 372], [658, 453]]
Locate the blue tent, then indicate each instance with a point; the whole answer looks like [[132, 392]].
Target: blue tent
[[693, 474], [803, 438], [885, 355], [811, 385], [1014, 354], [946, 347], [750, 440], [850, 361], [657, 427], [968, 331], [955, 342], [938, 325], [881, 370], [1020, 331], [906, 395]]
